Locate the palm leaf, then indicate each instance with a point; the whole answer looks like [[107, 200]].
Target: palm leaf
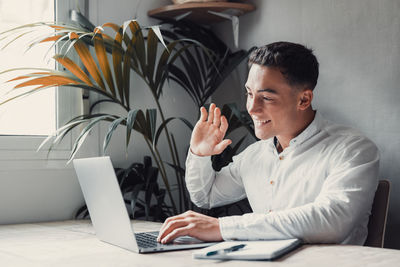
[[103, 62], [111, 131], [84, 133], [74, 37], [87, 60], [126, 74], [166, 62], [151, 120], [100, 92], [201, 62], [37, 89], [57, 134], [92, 106], [157, 32], [52, 80], [73, 68], [117, 62], [42, 74], [162, 62], [118, 30], [152, 42], [54, 44], [60, 133], [193, 70], [139, 43], [61, 81], [52, 38], [130, 121], [15, 38]]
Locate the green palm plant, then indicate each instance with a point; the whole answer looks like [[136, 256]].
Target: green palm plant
[[130, 51], [206, 64], [105, 68]]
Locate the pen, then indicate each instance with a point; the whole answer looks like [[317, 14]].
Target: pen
[[225, 250]]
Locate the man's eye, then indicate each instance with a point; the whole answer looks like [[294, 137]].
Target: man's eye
[[267, 98]]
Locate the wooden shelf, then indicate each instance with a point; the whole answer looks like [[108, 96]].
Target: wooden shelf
[[200, 12]]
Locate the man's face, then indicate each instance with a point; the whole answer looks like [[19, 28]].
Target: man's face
[[271, 102]]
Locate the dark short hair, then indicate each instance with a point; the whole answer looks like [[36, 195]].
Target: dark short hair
[[296, 62]]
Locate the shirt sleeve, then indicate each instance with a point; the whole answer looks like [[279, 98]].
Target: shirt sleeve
[[208, 188], [345, 199]]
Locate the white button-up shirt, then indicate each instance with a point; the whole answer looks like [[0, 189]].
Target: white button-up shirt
[[319, 189]]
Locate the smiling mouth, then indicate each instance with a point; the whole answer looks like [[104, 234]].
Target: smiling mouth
[[261, 122]]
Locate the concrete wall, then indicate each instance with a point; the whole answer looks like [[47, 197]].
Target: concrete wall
[[357, 43]]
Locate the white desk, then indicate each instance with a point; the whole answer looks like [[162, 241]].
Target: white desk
[[73, 243]]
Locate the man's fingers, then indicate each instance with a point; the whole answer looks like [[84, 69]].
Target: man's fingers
[[168, 220], [176, 233], [217, 117], [222, 145], [172, 219], [211, 113], [224, 125], [171, 226], [203, 114]]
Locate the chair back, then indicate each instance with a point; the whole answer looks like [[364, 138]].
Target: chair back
[[377, 219]]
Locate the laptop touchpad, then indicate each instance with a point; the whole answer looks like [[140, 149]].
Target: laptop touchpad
[[186, 240]]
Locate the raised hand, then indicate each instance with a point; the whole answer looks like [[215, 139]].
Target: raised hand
[[208, 134]]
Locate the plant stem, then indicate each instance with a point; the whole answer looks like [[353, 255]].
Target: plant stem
[[182, 200], [160, 166], [166, 133], [165, 175]]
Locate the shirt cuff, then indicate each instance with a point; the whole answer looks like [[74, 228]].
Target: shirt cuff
[[195, 161], [228, 227], [250, 226], [191, 154]]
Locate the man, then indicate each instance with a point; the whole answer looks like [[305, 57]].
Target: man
[[306, 178]]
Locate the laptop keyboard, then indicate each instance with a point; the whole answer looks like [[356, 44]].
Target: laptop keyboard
[[147, 240]]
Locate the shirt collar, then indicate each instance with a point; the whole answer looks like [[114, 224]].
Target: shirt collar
[[313, 128]]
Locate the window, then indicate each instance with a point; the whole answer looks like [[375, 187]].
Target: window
[[35, 114], [25, 123]]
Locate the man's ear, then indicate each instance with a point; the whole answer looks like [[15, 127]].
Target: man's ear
[[305, 98]]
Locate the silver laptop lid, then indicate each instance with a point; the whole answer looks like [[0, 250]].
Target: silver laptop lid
[[104, 200]]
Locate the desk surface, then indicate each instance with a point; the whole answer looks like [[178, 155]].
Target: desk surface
[[73, 243]]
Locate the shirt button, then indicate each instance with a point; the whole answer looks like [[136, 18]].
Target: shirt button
[[281, 157], [272, 182], [270, 211]]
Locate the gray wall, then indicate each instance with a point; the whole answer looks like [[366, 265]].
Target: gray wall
[[357, 43]]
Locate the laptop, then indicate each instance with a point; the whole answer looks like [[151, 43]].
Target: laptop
[[109, 214]]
